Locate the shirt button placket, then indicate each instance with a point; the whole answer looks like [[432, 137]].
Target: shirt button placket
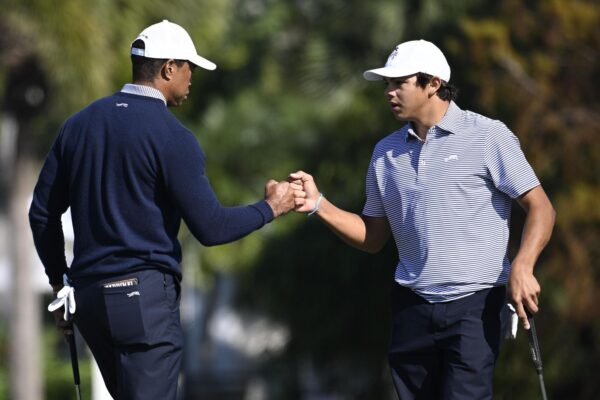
[[422, 160]]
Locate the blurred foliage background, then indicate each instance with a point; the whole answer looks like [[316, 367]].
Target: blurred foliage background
[[288, 94]]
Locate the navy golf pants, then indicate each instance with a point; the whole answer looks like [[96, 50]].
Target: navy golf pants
[[131, 324], [445, 350]]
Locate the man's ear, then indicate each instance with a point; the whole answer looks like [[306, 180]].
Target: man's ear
[[168, 69], [434, 85]]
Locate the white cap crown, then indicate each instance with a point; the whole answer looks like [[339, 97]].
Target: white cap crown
[[167, 40], [411, 57]]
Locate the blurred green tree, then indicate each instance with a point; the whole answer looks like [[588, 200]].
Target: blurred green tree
[[532, 64], [288, 95]]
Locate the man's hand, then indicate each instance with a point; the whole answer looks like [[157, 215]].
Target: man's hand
[[306, 199], [65, 326], [523, 291], [280, 196]]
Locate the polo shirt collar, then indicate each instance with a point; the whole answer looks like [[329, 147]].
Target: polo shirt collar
[[411, 134], [449, 123], [142, 90]]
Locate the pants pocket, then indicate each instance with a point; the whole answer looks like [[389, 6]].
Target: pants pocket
[[124, 314]]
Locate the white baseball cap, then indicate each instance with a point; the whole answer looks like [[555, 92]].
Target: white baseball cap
[[170, 41], [408, 58]]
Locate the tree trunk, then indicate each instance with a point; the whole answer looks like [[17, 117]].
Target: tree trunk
[[24, 315]]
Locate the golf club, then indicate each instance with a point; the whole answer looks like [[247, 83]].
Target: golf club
[[535, 353], [70, 338], [65, 298]]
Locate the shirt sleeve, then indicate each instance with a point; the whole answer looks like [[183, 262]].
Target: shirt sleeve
[[374, 205], [50, 201], [209, 221], [506, 163]]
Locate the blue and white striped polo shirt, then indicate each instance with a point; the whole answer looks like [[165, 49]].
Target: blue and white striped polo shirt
[[448, 202]]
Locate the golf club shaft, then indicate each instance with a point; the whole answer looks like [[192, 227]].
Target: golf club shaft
[[543, 387], [70, 338]]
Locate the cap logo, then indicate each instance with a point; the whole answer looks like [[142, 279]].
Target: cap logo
[[394, 53]]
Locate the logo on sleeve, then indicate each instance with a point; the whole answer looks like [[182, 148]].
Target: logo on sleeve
[[124, 105]]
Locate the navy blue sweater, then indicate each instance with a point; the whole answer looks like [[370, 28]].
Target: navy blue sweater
[[130, 172]]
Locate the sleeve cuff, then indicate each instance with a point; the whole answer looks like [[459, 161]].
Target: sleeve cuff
[[525, 189], [265, 210], [55, 281]]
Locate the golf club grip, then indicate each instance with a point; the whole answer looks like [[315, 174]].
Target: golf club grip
[[70, 337], [534, 344], [536, 353]]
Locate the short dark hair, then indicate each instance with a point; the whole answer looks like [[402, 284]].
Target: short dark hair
[[146, 69], [447, 91]]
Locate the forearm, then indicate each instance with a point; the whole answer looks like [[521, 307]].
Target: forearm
[[536, 234], [350, 227], [227, 224], [523, 287], [48, 237], [50, 245]]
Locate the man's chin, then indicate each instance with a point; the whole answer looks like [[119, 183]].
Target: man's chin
[[176, 103], [400, 117]]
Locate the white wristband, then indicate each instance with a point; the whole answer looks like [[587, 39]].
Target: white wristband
[[314, 210]]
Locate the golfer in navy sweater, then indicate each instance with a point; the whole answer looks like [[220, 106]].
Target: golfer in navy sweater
[[130, 171]]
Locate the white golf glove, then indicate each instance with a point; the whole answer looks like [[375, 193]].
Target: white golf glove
[[65, 297], [511, 332]]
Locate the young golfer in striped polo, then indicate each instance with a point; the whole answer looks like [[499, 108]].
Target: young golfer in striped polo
[[442, 185]]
